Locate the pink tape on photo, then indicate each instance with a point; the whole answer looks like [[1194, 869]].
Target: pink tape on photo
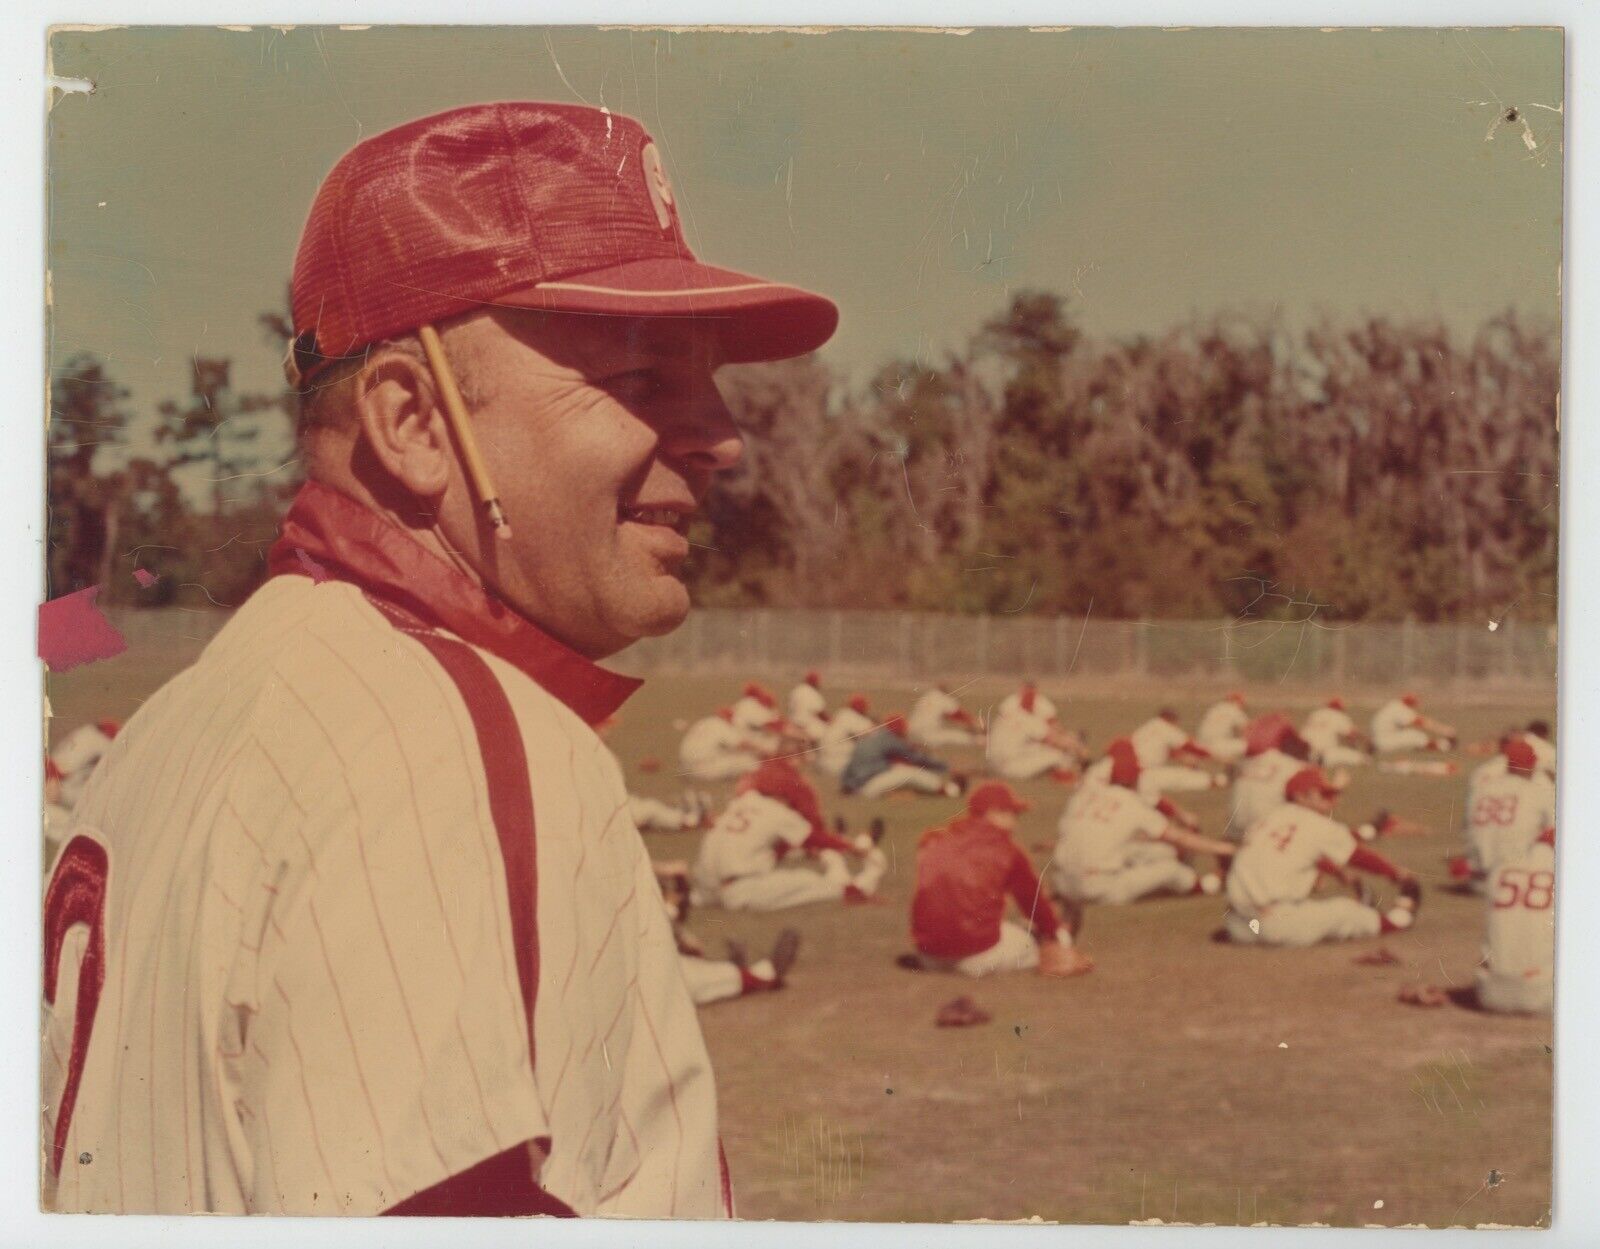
[[73, 631], [145, 578]]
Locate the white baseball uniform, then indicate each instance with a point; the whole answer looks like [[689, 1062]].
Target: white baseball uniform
[[808, 710], [753, 717], [738, 865], [1043, 707], [839, 739], [1154, 742], [713, 749], [1222, 729], [1394, 728], [929, 722], [1324, 731], [353, 906], [1505, 815], [1108, 849], [76, 757], [1016, 748], [1272, 877], [653, 814], [1258, 789], [1519, 954]]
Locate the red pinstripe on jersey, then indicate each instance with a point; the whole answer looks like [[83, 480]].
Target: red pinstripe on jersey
[[77, 895]]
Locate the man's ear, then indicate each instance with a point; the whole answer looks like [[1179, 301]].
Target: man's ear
[[403, 422]]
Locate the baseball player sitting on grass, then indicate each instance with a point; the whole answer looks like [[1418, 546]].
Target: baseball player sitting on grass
[[1398, 725], [67, 769], [808, 710], [714, 748], [1029, 699], [1274, 873], [965, 871], [717, 980], [884, 761], [1274, 753], [1114, 847], [1159, 741], [375, 931], [1333, 737], [1222, 727], [756, 715], [1026, 741], [848, 724], [741, 862], [1508, 808], [938, 721], [1518, 970]]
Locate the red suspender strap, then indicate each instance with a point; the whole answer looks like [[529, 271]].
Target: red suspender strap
[[505, 765]]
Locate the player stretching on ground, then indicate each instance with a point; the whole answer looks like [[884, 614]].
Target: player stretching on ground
[[938, 720], [965, 871], [1333, 737], [1272, 876], [884, 761], [848, 724], [1222, 728], [808, 710], [716, 980], [774, 811], [1398, 725], [1159, 741], [1026, 741], [716, 749], [1114, 847]]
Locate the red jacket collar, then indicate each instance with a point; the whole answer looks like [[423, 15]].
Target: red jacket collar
[[329, 533]]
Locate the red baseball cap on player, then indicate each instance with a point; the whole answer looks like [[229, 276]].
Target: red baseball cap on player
[[1336, 703], [995, 796], [518, 204], [1520, 756], [760, 693], [1310, 781], [813, 677], [1410, 700], [857, 702], [779, 779], [1124, 763], [896, 724]]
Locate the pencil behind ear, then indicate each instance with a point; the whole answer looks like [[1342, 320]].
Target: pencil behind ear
[[461, 425]]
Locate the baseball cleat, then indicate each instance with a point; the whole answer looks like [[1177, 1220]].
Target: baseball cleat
[[784, 952], [909, 962]]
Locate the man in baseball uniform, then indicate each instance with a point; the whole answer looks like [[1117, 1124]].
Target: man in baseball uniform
[[1029, 699], [848, 724], [67, 769], [1164, 750], [353, 918], [1539, 736], [1333, 737], [965, 872], [1275, 752], [712, 980], [1508, 808], [756, 716], [714, 748], [1221, 730], [1275, 871], [1114, 847], [938, 720], [1025, 741], [884, 761], [1518, 971], [1399, 725], [808, 709], [742, 862]]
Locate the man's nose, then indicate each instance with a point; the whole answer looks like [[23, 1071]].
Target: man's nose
[[703, 433]]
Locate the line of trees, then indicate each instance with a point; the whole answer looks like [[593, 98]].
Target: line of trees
[[1360, 470]]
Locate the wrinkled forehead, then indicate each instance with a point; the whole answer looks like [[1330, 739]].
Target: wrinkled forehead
[[595, 344]]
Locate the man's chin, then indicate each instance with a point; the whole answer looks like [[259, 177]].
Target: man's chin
[[659, 612]]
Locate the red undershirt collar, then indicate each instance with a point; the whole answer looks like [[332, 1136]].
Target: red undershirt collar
[[329, 532]]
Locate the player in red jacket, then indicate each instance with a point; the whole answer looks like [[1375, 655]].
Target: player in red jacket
[[965, 871]]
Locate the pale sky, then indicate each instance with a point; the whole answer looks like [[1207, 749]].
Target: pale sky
[[918, 179]]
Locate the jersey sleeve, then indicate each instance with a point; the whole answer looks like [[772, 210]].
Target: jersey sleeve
[[1335, 841], [376, 1037], [788, 825]]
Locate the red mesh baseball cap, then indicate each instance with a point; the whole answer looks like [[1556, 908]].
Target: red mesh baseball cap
[[1520, 756], [524, 205]]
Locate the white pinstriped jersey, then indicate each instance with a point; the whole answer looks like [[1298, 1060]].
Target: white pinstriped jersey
[[315, 972]]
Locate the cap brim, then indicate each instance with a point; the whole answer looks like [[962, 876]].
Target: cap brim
[[758, 319]]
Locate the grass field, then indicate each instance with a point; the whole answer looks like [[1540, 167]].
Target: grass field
[[1183, 1080]]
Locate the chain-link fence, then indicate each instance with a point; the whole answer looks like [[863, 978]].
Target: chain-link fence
[[921, 644]]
